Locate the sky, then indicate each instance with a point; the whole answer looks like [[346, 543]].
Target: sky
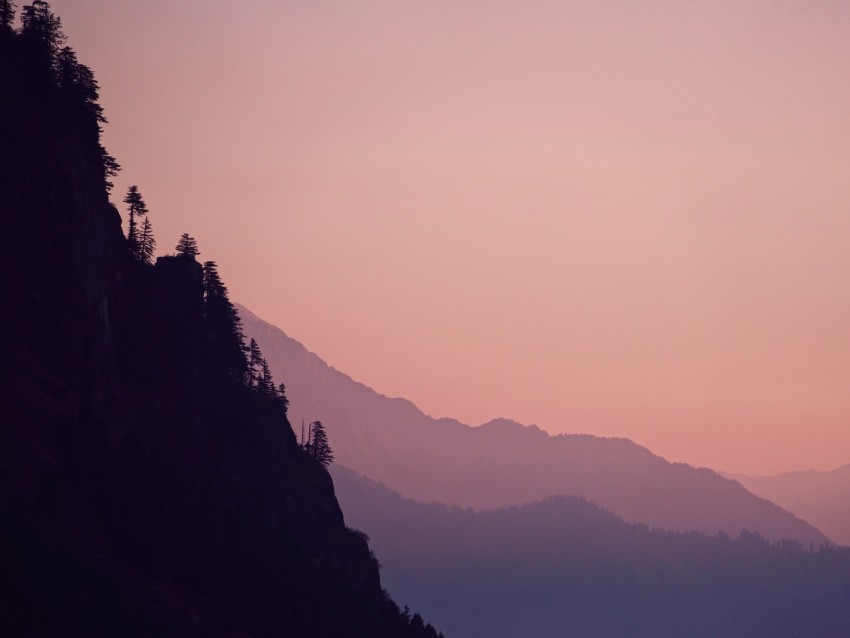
[[620, 217]]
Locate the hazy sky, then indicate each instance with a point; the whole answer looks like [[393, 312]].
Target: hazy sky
[[624, 218]]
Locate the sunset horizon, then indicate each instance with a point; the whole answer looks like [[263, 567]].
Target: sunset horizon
[[425, 319], [626, 219]]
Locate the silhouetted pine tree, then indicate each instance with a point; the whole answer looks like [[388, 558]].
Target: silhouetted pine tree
[[317, 445], [187, 246], [135, 206], [418, 628], [255, 360], [7, 15], [111, 167], [78, 84], [80, 92], [265, 382], [147, 243], [42, 30], [284, 401], [225, 338]]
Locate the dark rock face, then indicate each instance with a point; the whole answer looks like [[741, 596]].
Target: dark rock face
[[141, 492]]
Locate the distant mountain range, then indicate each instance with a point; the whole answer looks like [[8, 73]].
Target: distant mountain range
[[823, 498], [503, 463], [564, 567]]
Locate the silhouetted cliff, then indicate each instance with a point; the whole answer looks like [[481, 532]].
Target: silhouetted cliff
[[142, 491]]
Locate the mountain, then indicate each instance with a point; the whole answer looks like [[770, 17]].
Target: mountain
[[145, 489], [503, 463], [563, 566], [820, 497]]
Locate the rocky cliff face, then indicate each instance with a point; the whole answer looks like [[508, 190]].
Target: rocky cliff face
[[141, 492]]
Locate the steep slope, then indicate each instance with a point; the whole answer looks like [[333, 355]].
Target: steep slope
[[504, 463], [564, 567], [144, 491], [823, 498]]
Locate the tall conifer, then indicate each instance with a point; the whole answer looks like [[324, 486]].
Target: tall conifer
[[255, 361], [284, 401], [7, 15], [147, 243], [43, 30], [136, 207], [265, 382], [225, 337], [318, 447], [187, 246]]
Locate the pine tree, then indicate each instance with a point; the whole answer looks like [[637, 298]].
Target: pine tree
[[7, 15], [318, 446], [43, 29], [187, 246], [147, 243], [79, 89], [265, 382], [224, 334], [281, 396], [77, 82], [110, 166], [255, 360], [135, 206]]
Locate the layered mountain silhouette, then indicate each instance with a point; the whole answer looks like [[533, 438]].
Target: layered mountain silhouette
[[145, 489], [823, 498], [503, 463], [563, 566]]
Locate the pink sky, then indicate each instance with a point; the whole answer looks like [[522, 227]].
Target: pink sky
[[625, 218]]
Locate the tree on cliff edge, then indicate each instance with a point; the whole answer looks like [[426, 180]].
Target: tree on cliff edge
[[80, 92], [223, 326], [317, 446], [281, 395], [147, 243], [7, 15], [136, 207], [187, 246], [42, 28], [255, 361]]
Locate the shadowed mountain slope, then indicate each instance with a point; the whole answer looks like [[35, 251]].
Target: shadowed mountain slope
[[144, 489], [563, 566], [504, 463], [823, 498]]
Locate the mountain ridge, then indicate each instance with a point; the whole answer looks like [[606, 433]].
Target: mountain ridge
[[822, 497], [563, 562], [505, 463]]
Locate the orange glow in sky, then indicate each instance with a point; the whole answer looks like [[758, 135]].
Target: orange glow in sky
[[623, 217]]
